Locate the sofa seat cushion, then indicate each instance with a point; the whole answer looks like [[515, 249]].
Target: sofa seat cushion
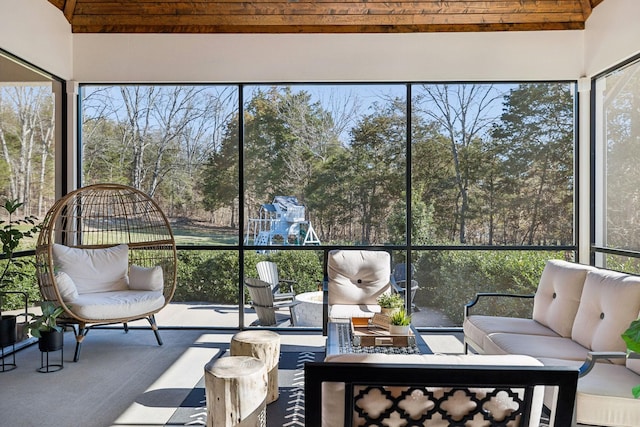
[[477, 328], [558, 295], [333, 393], [535, 346], [610, 302], [604, 395], [117, 304], [347, 311]]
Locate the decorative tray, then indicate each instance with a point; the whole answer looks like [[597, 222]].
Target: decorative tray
[[366, 332]]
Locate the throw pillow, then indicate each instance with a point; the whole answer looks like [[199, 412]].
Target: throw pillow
[[66, 287], [94, 270], [146, 279]]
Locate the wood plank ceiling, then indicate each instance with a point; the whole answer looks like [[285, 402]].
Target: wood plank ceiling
[[322, 16]]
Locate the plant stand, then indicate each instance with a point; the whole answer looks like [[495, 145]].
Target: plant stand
[[46, 366], [50, 342], [6, 366], [9, 333]]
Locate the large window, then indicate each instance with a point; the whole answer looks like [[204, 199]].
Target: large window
[[30, 138], [248, 172], [617, 155]]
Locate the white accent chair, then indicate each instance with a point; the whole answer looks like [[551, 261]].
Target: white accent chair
[[106, 254], [354, 279]]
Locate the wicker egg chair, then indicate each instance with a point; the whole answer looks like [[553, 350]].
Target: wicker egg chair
[[93, 220]]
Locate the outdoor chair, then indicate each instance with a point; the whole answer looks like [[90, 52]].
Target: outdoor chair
[[268, 272], [400, 276], [106, 254], [354, 279], [266, 308]]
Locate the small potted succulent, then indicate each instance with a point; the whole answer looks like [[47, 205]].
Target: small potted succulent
[[400, 323], [390, 303]]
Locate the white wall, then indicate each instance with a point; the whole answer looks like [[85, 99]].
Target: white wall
[[612, 34], [327, 57], [37, 32]]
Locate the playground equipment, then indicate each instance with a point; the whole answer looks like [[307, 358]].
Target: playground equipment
[[281, 222]]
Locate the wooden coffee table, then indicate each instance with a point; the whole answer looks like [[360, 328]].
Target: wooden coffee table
[[339, 341]]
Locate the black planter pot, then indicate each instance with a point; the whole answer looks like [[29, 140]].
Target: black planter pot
[[7, 330], [51, 340], [48, 342]]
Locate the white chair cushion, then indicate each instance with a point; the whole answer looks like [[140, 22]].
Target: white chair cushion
[[146, 279], [333, 393], [94, 270], [347, 311], [117, 304], [558, 295], [610, 301], [357, 277], [66, 287]]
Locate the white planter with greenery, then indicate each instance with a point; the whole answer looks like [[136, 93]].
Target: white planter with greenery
[[390, 303], [400, 323]]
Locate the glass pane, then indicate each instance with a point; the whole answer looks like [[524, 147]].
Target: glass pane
[[295, 277], [492, 164], [623, 263], [207, 291], [28, 131], [620, 100], [179, 144], [335, 153], [447, 280]]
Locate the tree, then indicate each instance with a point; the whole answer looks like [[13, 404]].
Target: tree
[[535, 140], [26, 136], [464, 114], [376, 169], [220, 175]]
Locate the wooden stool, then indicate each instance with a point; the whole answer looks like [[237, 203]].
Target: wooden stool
[[263, 345], [236, 391]]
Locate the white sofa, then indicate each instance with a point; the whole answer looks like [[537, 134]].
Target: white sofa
[[579, 314]]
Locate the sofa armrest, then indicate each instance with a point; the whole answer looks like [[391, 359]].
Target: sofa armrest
[[594, 356], [470, 304]]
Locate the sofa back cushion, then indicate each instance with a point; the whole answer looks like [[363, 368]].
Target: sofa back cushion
[[357, 277], [610, 301], [94, 270], [558, 295]]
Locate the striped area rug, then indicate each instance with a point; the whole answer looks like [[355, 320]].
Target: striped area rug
[[287, 411]]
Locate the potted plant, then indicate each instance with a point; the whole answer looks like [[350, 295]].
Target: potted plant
[[400, 323], [390, 303], [12, 268], [45, 327], [632, 338]]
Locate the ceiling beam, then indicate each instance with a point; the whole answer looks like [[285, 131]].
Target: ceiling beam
[[69, 9]]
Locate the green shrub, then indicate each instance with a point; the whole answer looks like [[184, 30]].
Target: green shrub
[[212, 276], [450, 279]]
